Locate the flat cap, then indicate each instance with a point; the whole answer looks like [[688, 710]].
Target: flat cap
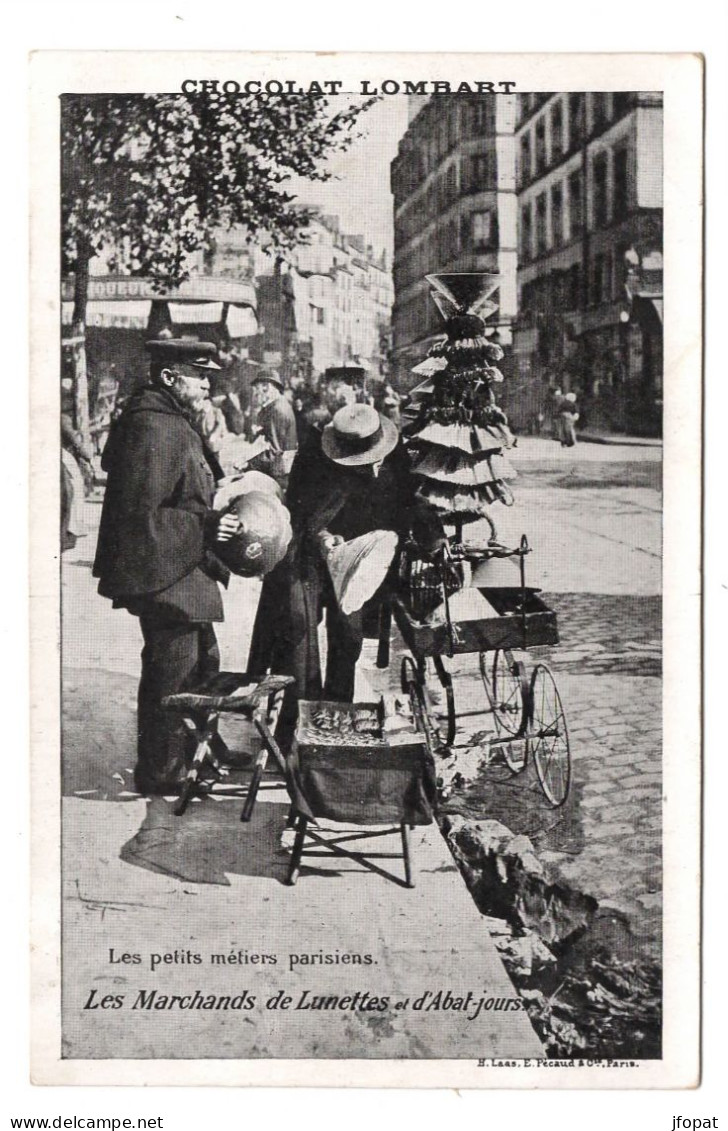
[[272, 376], [167, 351]]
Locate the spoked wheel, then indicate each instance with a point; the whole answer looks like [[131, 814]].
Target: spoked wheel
[[446, 733], [506, 686], [549, 737], [424, 720]]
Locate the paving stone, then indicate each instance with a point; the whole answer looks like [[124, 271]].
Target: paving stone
[[613, 829], [621, 759], [650, 901], [597, 801], [635, 780]]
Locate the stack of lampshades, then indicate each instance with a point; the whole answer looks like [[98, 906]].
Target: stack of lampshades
[[457, 435]]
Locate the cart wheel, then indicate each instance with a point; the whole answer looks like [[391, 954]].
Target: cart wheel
[[506, 686], [549, 737], [413, 685], [446, 682]]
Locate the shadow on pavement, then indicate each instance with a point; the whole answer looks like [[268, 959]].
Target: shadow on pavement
[[98, 734], [209, 843], [517, 802]]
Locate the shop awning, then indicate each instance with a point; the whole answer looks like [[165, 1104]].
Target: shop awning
[[198, 289]]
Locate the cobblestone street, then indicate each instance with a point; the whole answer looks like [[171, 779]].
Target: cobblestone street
[[594, 524]]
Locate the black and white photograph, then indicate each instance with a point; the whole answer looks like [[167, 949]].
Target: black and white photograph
[[377, 463]]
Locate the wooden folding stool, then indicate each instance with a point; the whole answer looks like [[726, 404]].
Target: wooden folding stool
[[234, 693]]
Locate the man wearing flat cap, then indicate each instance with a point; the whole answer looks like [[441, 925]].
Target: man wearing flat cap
[[276, 422], [155, 553], [352, 480]]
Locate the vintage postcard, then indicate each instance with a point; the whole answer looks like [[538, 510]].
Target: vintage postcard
[[365, 569]]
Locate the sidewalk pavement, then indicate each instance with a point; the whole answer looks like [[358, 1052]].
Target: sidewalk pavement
[[592, 447], [205, 895], [618, 438]]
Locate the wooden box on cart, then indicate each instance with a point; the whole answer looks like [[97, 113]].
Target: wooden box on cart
[[520, 620]]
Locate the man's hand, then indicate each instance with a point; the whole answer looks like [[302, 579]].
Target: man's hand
[[329, 542], [228, 527]]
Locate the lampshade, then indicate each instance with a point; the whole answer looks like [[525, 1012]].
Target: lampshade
[[464, 292]]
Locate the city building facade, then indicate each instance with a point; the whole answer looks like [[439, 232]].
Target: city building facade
[[328, 304], [454, 185], [589, 179]]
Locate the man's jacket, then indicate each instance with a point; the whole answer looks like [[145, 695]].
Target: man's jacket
[[152, 554], [277, 422]]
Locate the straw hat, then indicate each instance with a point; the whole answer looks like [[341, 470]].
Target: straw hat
[[358, 435]]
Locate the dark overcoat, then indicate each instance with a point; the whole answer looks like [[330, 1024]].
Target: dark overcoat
[[277, 422], [324, 496], [157, 517]]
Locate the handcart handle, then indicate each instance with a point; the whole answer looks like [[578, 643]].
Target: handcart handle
[[492, 550], [447, 558], [448, 619]]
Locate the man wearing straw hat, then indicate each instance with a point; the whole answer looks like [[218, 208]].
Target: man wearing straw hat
[[349, 481]]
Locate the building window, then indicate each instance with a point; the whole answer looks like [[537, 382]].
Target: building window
[[557, 214], [601, 204], [621, 184], [576, 119], [482, 227], [576, 204], [598, 280], [526, 233], [453, 239], [557, 131], [524, 164], [479, 172], [573, 288], [541, 145], [484, 115], [452, 128], [452, 182], [622, 102], [609, 289], [599, 111], [541, 236]]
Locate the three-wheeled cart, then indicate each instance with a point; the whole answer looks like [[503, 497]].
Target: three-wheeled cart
[[525, 704]]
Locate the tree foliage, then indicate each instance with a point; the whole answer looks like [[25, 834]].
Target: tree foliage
[[147, 178]]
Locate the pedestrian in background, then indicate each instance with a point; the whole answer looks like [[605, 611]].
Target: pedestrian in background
[[275, 420], [210, 422], [77, 478], [390, 404], [556, 402], [569, 417]]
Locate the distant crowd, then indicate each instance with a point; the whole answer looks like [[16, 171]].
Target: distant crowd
[[253, 401], [284, 411]]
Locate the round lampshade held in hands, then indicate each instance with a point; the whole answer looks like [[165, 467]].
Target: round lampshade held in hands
[[359, 567], [264, 536]]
